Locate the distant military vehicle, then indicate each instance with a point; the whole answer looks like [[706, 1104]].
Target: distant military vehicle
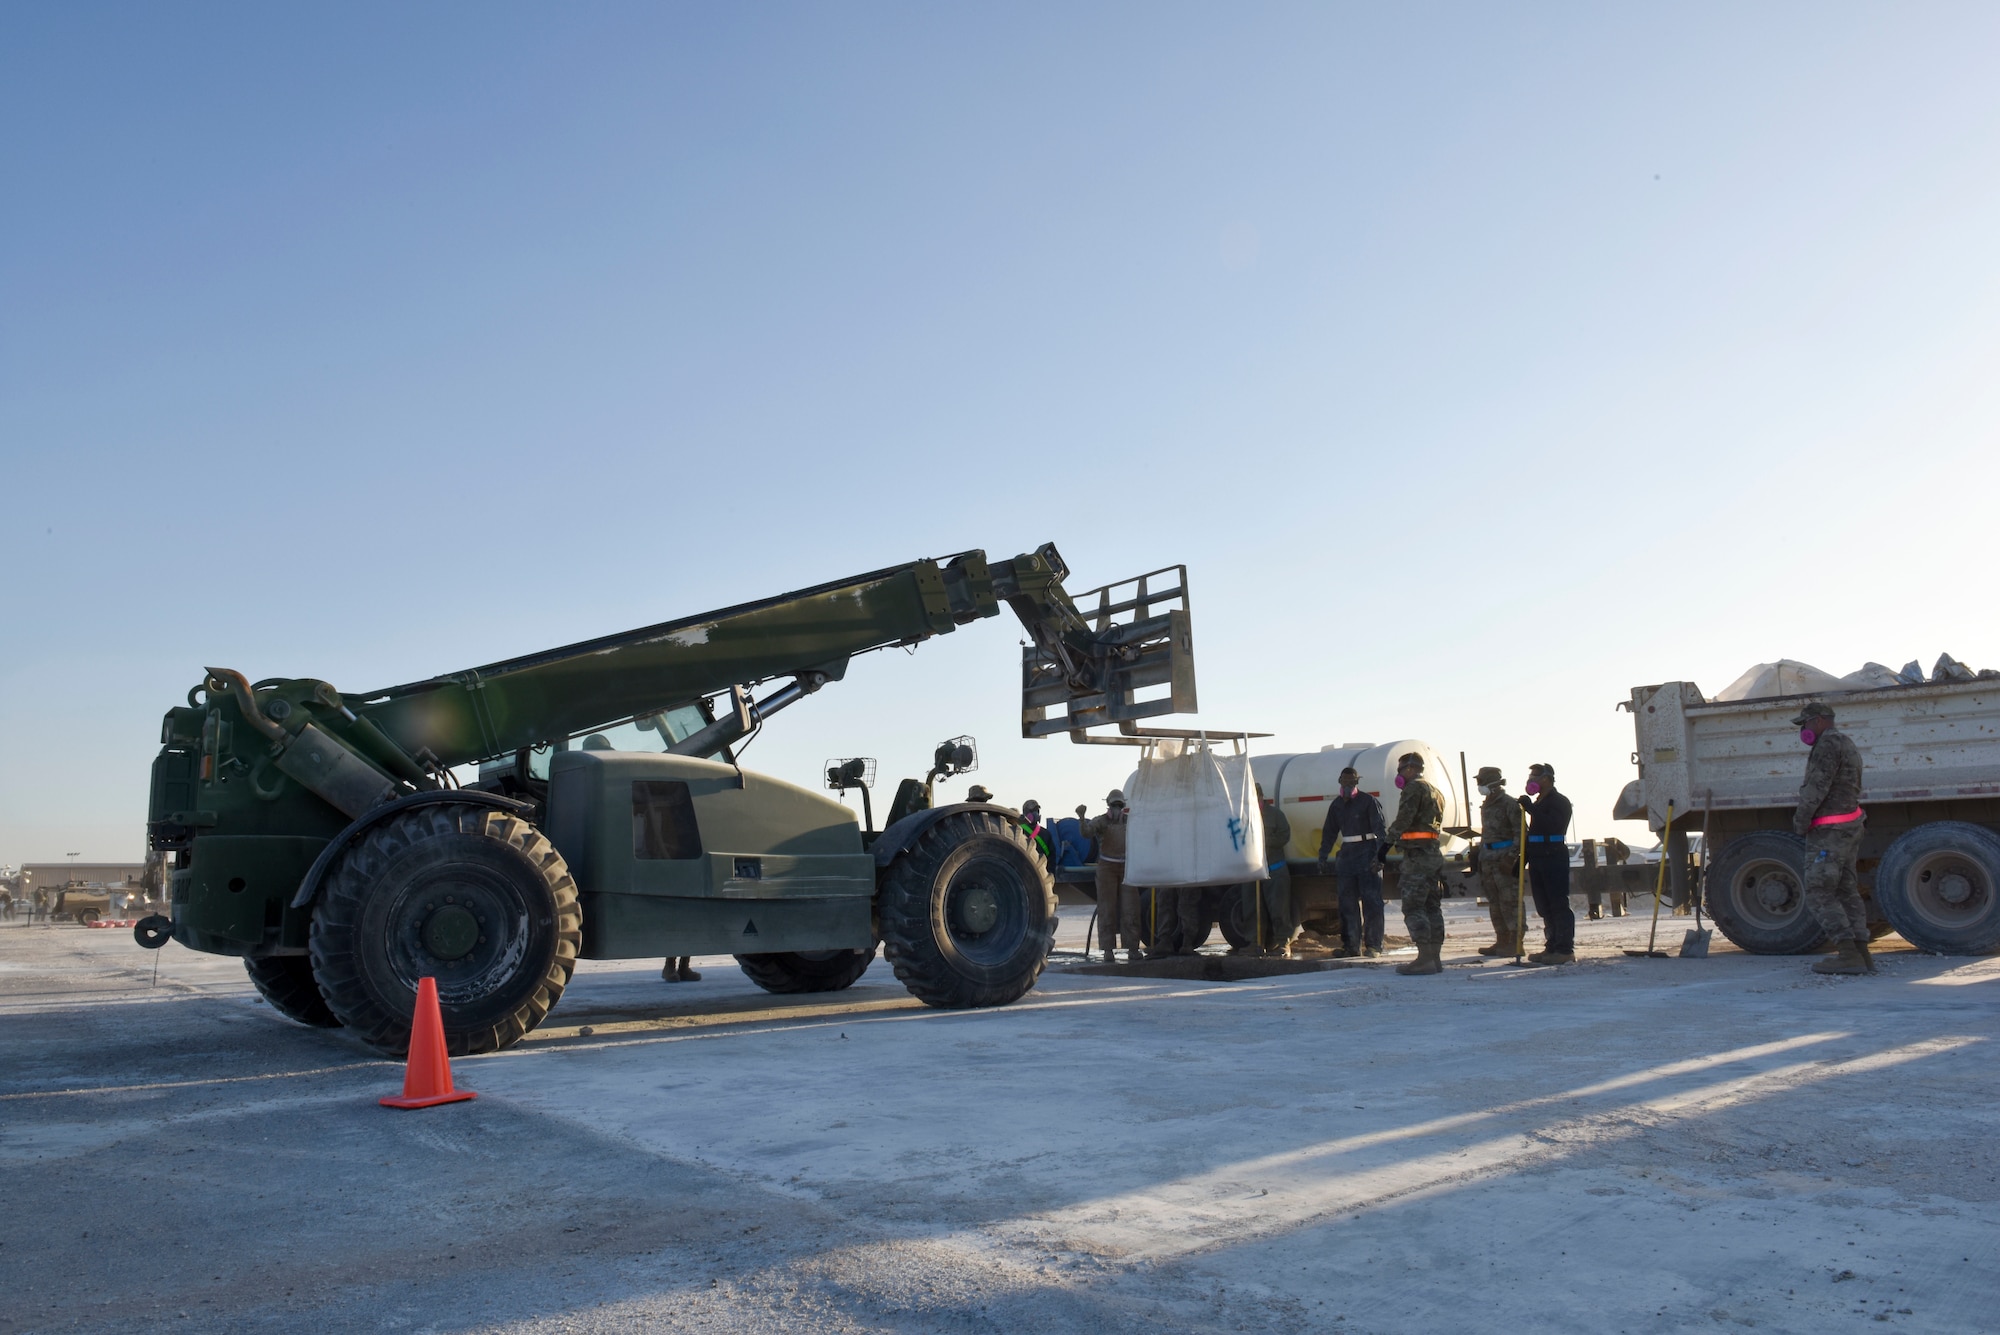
[[82, 904]]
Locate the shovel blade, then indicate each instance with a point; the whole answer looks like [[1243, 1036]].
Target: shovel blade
[[1694, 946]]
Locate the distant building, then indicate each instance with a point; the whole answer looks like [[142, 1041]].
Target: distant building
[[97, 875]]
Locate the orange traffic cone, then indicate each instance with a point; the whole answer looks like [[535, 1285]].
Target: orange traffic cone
[[427, 1079]]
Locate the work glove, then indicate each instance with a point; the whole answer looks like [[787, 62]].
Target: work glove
[[1081, 812], [1319, 867]]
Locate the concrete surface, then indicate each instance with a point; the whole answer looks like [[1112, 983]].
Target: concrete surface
[[1624, 1145]]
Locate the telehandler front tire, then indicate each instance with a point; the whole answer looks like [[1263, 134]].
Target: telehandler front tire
[[807, 970], [968, 914], [286, 983], [475, 898]]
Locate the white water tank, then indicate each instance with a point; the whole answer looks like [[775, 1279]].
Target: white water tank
[[1304, 783]]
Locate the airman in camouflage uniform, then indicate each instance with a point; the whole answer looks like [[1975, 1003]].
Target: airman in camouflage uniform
[[1829, 815], [1417, 830], [1117, 903], [1500, 861]]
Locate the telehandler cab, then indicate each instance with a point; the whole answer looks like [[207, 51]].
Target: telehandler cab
[[323, 838]]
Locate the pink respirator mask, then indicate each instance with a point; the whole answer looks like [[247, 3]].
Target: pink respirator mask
[[1531, 788], [1401, 782], [1808, 736]]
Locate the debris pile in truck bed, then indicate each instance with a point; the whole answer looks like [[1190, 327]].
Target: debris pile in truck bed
[[1790, 677]]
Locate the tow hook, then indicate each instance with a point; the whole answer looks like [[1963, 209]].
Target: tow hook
[[153, 931]]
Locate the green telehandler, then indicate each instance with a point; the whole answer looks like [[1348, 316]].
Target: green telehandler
[[324, 838]]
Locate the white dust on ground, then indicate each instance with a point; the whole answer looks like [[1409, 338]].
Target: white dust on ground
[[1628, 1143]]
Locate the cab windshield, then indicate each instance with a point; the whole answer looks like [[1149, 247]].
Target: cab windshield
[[652, 732]]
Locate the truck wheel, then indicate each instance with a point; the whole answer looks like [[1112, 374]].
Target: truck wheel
[[807, 970], [477, 899], [1238, 929], [1937, 886], [968, 913], [87, 917], [286, 982], [1143, 897], [1757, 894]]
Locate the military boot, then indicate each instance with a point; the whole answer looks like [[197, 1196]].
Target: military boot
[[1850, 960], [1427, 961], [1554, 957], [1498, 948], [1867, 955], [1596, 912], [688, 975]]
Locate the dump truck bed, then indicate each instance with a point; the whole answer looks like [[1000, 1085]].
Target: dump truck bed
[[1929, 743]]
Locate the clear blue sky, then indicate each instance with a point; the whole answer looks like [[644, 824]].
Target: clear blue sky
[[1481, 361]]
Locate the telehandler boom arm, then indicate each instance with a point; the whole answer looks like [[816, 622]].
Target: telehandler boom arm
[[359, 751]]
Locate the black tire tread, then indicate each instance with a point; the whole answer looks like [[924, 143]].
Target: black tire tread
[[786, 972], [286, 984], [340, 905], [904, 899], [1232, 919]]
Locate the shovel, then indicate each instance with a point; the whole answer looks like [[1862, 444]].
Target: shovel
[[1694, 945], [1659, 888]]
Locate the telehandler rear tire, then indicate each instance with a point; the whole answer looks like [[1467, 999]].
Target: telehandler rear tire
[[807, 970], [286, 983], [475, 898], [968, 913]]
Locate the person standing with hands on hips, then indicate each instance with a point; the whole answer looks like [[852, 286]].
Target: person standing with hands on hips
[[1354, 819], [1417, 831], [1548, 865]]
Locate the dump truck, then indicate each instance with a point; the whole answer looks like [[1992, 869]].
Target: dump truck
[[325, 838], [1929, 866]]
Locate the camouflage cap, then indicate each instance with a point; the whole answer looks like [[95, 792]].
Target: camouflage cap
[[1813, 709], [1489, 774], [1115, 798], [978, 793], [1409, 758]]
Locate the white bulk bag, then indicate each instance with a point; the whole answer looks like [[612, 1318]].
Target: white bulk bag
[[1194, 818], [1764, 681]]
